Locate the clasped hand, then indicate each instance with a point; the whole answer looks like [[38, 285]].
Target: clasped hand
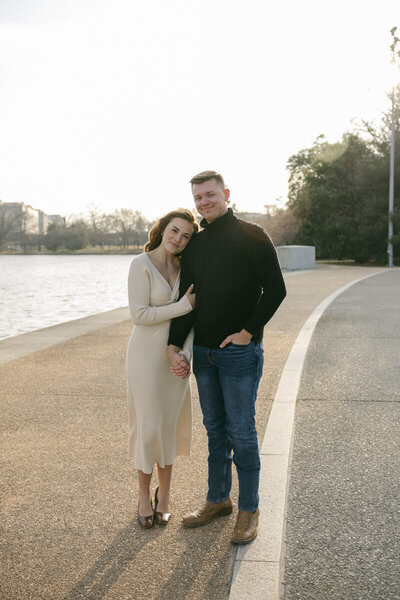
[[178, 362]]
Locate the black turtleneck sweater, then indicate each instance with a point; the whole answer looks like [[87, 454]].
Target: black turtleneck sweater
[[237, 281]]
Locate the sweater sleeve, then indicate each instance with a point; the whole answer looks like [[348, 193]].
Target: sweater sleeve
[[142, 312], [264, 261], [180, 327], [187, 348]]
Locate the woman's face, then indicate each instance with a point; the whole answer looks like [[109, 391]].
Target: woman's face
[[176, 235]]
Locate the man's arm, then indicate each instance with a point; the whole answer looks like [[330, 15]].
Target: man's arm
[[241, 338], [181, 326], [265, 264]]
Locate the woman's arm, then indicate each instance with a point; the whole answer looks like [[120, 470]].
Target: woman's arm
[[139, 299]]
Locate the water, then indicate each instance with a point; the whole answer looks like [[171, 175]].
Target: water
[[38, 291]]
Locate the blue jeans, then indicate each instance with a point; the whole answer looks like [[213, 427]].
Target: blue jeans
[[227, 379]]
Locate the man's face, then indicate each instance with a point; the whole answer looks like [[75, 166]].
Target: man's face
[[210, 199]]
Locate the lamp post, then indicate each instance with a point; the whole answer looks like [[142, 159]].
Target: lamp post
[[391, 175]]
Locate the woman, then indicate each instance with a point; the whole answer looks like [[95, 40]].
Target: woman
[[159, 403]]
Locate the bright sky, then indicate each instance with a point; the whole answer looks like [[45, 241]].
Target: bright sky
[[117, 103]]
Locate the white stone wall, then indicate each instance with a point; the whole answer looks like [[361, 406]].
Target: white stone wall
[[295, 258]]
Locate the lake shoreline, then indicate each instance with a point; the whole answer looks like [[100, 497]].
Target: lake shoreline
[[74, 253]]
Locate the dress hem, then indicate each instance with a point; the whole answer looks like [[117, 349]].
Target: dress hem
[[187, 455]]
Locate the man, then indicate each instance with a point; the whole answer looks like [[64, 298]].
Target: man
[[239, 286]]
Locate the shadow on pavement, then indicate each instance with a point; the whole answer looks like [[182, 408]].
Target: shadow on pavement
[[111, 564]]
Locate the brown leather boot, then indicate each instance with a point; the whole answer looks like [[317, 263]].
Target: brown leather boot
[[208, 511], [246, 527]]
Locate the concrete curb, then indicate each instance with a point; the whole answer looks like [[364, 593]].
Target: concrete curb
[[21, 345], [258, 569]]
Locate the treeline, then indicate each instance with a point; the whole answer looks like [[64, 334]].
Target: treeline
[[339, 193], [122, 230]]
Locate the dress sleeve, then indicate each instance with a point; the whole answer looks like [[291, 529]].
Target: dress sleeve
[[139, 299]]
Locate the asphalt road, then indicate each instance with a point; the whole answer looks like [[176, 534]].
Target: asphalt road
[[343, 520]]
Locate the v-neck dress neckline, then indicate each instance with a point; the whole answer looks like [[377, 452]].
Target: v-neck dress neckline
[[172, 289]]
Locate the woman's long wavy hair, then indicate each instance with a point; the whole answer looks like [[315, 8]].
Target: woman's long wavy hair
[[156, 232]]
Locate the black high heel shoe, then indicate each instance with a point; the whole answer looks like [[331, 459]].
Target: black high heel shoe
[[160, 517], [146, 522]]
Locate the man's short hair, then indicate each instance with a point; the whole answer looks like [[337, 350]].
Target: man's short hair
[[206, 175]]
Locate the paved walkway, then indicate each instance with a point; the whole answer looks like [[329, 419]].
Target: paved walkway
[[69, 493]]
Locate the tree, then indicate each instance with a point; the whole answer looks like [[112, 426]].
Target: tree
[[54, 238], [76, 235], [95, 222], [280, 225], [130, 226], [338, 194]]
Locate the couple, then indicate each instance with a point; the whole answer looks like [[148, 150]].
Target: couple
[[230, 284]]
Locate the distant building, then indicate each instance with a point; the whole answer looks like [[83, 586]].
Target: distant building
[[43, 222], [30, 219], [247, 216], [18, 217], [19, 221]]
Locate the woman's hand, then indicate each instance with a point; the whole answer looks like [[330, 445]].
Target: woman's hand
[[191, 297]]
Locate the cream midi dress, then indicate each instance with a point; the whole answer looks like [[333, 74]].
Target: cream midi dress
[[159, 402]]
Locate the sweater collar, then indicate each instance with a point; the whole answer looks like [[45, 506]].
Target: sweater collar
[[227, 219]]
